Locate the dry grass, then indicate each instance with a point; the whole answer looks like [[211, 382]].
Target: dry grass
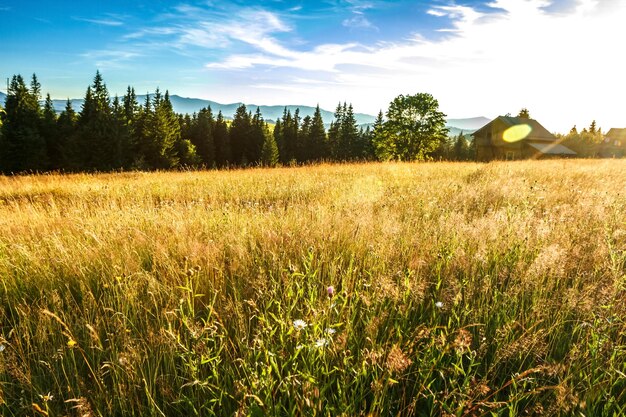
[[460, 289]]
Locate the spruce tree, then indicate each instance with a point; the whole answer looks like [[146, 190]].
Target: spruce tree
[[222, 141], [66, 128], [255, 141], [202, 127], [303, 145], [278, 136], [22, 147], [269, 151], [317, 141], [95, 129], [334, 132], [51, 136], [239, 133]]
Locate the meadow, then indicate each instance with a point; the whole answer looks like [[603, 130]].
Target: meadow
[[397, 289]]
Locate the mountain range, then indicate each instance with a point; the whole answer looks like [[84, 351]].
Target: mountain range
[[272, 113]]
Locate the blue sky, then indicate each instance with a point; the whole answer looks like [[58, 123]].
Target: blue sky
[[561, 59]]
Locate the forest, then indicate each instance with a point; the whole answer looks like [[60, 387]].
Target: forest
[[120, 134], [112, 134]]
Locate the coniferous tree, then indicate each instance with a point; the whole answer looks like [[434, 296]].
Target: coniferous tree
[[22, 147], [303, 145], [222, 141], [95, 129], [161, 152], [269, 150], [130, 148], [317, 142], [379, 144], [287, 138], [255, 141], [278, 136], [202, 127], [239, 133], [461, 148], [334, 133], [66, 129], [50, 134]]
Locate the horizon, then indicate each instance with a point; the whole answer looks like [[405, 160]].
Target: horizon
[[477, 58]]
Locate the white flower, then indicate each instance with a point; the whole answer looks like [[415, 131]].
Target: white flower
[[439, 304], [299, 324], [330, 331], [2, 347], [321, 342]]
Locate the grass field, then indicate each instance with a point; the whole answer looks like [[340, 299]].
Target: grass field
[[457, 289]]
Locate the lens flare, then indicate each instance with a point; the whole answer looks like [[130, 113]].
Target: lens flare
[[516, 133]]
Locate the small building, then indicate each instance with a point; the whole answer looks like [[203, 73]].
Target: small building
[[508, 138], [614, 144]]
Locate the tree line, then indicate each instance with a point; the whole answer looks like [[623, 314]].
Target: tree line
[[122, 134]]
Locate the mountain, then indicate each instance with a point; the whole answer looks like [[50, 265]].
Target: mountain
[[272, 113], [193, 105], [466, 126]]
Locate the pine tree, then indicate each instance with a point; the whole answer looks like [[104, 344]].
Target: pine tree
[[22, 147], [303, 145], [239, 133], [269, 151], [278, 136], [222, 141], [379, 143], [317, 141], [95, 129], [163, 135], [334, 134], [66, 128], [255, 141], [202, 127], [461, 148], [51, 136]]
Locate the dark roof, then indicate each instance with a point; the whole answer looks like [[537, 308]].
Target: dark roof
[[537, 130], [617, 134]]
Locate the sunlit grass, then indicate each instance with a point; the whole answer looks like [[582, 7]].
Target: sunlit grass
[[457, 289]]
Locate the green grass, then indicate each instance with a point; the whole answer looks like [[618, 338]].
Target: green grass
[[460, 289]]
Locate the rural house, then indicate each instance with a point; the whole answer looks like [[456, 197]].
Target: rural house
[[614, 144], [508, 137]]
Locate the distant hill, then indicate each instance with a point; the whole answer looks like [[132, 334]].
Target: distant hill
[[272, 113], [193, 105]]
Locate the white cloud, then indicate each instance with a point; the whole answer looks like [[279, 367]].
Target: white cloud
[[102, 22], [565, 67]]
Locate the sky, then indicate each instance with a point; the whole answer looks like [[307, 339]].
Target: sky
[[564, 60]]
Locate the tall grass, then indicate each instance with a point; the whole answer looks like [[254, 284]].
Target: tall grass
[[457, 289]]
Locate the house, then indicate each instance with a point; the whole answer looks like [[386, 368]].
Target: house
[[614, 144], [508, 137]]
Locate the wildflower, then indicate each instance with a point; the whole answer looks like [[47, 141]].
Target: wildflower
[[2, 347], [299, 324], [321, 342], [439, 304], [330, 290], [46, 398], [71, 343], [330, 331]]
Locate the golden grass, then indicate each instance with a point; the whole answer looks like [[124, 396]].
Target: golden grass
[[175, 293]]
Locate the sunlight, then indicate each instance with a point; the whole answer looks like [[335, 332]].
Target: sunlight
[[516, 133]]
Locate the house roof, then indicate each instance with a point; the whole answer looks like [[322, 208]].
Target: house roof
[[616, 134], [538, 132], [552, 148]]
